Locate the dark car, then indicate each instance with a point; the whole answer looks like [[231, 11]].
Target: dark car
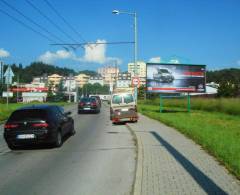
[[88, 104], [41, 124], [98, 99]]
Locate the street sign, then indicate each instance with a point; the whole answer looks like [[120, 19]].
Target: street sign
[[7, 94], [8, 75], [135, 81]]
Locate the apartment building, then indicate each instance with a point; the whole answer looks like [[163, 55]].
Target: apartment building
[[96, 79], [124, 80], [81, 80], [141, 71], [109, 74]]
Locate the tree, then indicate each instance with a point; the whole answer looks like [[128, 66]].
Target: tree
[[141, 92]]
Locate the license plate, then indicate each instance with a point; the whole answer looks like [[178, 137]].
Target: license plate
[[125, 109], [25, 136], [86, 108]]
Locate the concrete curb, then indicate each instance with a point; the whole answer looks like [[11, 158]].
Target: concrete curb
[[137, 189]]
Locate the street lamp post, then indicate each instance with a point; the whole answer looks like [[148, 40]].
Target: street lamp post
[[134, 14]]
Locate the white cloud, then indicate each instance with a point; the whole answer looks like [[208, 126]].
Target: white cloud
[[155, 59], [50, 57], [95, 53], [4, 53]]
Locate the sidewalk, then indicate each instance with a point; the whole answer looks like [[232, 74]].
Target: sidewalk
[[170, 163]]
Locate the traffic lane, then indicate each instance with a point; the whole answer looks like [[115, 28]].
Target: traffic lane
[[99, 159]]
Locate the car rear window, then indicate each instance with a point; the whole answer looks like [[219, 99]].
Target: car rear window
[[117, 99], [32, 114], [93, 99], [128, 98], [85, 100]]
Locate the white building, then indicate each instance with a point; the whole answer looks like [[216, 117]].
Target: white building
[[96, 79], [109, 74], [69, 84], [141, 71], [124, 80]]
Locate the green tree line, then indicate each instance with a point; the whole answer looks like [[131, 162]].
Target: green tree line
[[26, 74]]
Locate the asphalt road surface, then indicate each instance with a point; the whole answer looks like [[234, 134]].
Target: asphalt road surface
[[98, 159]]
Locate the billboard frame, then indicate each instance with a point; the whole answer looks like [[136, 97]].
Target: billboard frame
[[197, 65]]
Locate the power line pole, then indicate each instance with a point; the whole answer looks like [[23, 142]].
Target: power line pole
[[1, 74], [17, 86]]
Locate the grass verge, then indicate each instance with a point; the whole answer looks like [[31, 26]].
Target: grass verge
[[218, 133], [6, 111], [224, 105]]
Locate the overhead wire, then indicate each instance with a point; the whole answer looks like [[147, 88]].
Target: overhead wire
[[50, 20], [31, 20], [64, 20], [26, 26]]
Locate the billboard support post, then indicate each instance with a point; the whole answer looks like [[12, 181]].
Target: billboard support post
[[168, 96], [189, 103], [161, 105]]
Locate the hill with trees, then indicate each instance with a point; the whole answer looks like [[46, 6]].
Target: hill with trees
[[27, 73]]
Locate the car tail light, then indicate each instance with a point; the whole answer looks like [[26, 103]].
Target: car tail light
[[93, 104], [81, 104], [10, 126], [40, 125]]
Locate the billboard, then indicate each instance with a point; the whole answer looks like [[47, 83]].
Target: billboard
[[175, 78]]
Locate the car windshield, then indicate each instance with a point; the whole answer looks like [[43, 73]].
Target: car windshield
[[30, 114], [163, 71], [117, 99], [128, 98]]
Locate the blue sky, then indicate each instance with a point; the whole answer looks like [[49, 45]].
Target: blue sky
[[188, 31]]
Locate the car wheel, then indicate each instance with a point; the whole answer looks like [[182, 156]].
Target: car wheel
[[72, 132], [12, 147], [58, 140]]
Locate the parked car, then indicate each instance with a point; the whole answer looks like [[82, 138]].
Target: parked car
[[88, 104], [123, 108], [38, 124], [98, 99], [163, 75]]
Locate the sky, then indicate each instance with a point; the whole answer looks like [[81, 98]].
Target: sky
[[178, 31]]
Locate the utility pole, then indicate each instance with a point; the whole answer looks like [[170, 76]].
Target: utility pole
[[116, 73], [1, 73], [134, 14], [17, 87], [135, 53]]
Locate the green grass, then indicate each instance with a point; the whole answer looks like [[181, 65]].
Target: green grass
[[224, 105], [218, 133], [6, 111]]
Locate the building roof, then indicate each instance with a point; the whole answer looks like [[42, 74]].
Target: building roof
[[55, 75]]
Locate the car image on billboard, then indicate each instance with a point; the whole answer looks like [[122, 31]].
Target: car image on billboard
[[175, 78]]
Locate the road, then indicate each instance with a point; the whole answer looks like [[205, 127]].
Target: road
[[98, 159]]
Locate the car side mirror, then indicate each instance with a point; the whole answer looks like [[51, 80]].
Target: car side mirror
[[68, 113]]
